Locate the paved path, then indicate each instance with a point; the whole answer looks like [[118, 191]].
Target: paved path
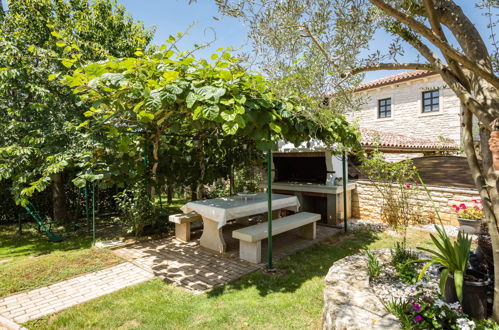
[[26, 306], [186, 264]]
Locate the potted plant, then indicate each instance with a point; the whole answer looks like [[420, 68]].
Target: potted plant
[[469, 217], [466, 285]]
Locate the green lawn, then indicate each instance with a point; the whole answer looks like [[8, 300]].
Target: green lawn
[[290, 299], [31, 261]]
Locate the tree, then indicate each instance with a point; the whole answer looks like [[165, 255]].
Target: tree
[[444, 37], [38, 116]]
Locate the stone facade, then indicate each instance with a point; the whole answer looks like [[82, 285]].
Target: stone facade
[[407, 117], [367, 202]]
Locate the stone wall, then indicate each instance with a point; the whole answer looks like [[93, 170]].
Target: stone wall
[[348, 301], [367, 202], [407, 117]]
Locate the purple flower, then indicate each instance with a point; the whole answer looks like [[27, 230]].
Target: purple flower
[[418, 318], [459, 310], [416, 307]]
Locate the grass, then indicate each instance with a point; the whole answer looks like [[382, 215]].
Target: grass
[[30, 260], [290, 299]]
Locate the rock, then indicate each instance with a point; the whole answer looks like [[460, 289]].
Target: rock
[[349, 302]]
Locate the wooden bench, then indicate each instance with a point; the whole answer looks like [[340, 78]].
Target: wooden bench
[[250, 238], [183, 224]]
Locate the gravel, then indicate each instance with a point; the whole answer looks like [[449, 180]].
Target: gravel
[[388, 287]]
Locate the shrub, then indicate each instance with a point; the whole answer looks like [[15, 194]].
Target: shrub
[[423, 310], [394, 181], [472, 212], [403, 261], [136, 210], [373, 266]]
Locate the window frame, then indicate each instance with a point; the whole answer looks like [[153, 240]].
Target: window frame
[[432, 103], [384, 108]]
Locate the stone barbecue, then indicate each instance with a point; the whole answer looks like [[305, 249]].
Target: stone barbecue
[[313, 174]]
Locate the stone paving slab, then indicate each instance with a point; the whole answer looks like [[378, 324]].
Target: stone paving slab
[[30, 305]]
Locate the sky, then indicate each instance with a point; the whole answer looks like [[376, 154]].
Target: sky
[[172, 16]]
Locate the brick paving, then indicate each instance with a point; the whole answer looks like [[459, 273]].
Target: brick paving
[[30, 305], [195, 268], [185, 264]]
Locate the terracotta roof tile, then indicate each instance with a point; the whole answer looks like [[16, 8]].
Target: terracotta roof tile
[[395, 79], [384, 140]]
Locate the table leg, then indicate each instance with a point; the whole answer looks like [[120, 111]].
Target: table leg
[[212, 237]]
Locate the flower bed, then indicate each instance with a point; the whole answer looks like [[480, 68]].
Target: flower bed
[[416, 304]]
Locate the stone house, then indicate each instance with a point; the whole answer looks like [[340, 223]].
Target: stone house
[[415, 103], [411, 115], [412, 112]]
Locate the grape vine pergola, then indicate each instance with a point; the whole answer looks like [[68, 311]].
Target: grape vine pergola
[[173, 93]]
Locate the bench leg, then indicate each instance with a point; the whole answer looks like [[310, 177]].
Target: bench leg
[[251, 252], [212, 237], [308, 231], [243, 221], [183, 231]]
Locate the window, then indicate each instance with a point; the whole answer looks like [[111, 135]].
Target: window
[[384, 108], [431, 101]]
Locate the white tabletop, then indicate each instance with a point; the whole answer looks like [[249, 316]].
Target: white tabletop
[[227, 208]]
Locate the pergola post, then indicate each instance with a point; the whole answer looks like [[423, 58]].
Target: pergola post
[[269, 211], [345, 178]]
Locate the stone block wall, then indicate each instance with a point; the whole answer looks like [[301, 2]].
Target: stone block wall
[[407, 117], [367, 202]]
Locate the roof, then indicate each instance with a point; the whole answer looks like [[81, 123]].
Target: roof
[[404, 76], [391, 141]]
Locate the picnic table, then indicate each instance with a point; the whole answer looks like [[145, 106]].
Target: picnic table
[[216, 212]]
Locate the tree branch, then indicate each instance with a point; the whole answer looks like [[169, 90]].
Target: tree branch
[[420, 28], [319, 45], [393, 66], [429, 8]]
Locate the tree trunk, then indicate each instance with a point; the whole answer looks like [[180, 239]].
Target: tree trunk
[[59, 198], [487, 184], [231, 179], [169, 194], [194, 193], [154, 169]]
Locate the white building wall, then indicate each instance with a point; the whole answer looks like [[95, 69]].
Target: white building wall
[[407, 117]]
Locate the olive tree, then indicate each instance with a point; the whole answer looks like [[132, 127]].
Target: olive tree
[[445, 39]]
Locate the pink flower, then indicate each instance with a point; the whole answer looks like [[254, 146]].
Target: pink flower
[[459, 310], [407, 185], [416, 307], [418, 318], [474, 201], [463, 206]]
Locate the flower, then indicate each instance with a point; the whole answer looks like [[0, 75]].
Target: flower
[[439, 303], [416, 307], [474, 212], [465, 324], [418, 318], [407, 185]]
